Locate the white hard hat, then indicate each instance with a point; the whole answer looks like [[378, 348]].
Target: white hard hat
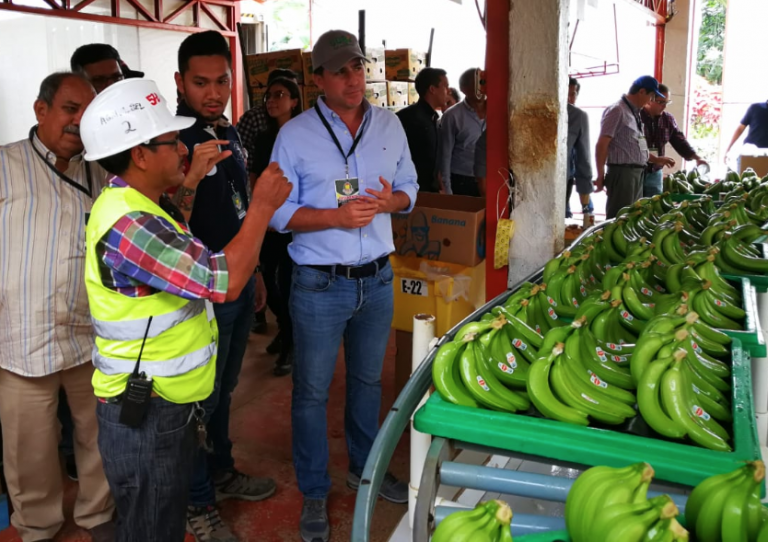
[[127, 114]]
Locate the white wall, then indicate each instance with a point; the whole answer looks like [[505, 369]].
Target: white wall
[[745, 77], [41, 45], [459, 36]]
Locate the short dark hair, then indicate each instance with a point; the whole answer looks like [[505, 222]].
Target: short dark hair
[[91, 53], [454, 93], [280, 73], [573, 82], [428, 77], [209, 43], [664, 89], [117, 164], [51, 84], [467, 79]]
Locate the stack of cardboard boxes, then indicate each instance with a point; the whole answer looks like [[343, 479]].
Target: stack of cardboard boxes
[[389, 75], [402, 67]]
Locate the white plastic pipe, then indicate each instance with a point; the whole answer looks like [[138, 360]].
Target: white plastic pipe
[[423, 340], [760, 374]]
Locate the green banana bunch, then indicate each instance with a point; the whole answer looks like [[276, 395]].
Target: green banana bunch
[[741, 258], [632, 522], [727, 507], [599, 488], [446, 375], [487, 522]]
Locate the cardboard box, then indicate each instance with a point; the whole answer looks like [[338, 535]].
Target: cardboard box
[[758, 163], [376, 94], [442, 227], [310, 94], [306, 61], [260, 65], [403, 64], [413, 96], [375, 69], [397, 94], [257, 96]]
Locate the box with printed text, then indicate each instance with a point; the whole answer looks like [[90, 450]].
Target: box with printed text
[[442, 227], [404, 64], [306, 61], [310, 94], [261, 64], [397, 94], [375, 68], [413, 96], [376, 94]]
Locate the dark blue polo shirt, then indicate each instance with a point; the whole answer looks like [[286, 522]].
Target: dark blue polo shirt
[[757, 120], [214, 218]]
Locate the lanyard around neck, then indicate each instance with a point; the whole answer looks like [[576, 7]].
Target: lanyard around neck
[[634, 114], [336, 140], [74, 184]]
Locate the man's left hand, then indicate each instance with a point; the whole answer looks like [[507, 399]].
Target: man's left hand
[[261, 293], [701, 162], [384, 198]]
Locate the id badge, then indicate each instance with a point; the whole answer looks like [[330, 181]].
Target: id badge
[[643, 143], [346, 190], [239, 207]]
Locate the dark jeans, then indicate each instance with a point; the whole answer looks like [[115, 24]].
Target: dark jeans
[[464, 185], [148, 469], [277, 268], [234, 321], [67, 444], [327, 308]]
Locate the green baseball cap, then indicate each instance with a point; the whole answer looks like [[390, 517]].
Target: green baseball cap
[[334, 49]]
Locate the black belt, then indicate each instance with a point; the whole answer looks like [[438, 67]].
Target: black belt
[[354, 271], [630, 166]]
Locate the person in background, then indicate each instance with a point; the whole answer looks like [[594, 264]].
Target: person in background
[[453, 99], [420, 122], [660, 129], [622, 146], [756, 118], [351, 169], [45, 198], [251, 124], [283, 102], [460, 128], [150, 285], [579, 164], [101, 64], [216, 207]]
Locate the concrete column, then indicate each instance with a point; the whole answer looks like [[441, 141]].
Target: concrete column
[[677, 66], [538, 130]]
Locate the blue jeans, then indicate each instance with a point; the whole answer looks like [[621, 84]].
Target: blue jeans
[[148, 469], [652, 183], [234, 321], [325, 309]]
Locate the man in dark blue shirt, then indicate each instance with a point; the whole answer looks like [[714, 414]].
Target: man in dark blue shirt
[[215, 209], [757, 120]]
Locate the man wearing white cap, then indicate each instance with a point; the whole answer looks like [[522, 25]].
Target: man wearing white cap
[[351, 168], [150, 284]]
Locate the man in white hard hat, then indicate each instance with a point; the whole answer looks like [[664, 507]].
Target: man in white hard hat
[[46, 193], [150, 284]]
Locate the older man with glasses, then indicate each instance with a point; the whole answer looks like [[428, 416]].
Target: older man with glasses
[[661, 128]]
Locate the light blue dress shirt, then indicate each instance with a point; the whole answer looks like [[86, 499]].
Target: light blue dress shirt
[[312, 162]]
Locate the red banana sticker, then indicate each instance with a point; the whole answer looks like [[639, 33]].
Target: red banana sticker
[[552, 314], [620, 359], [520, 345], [538, 329], [575, 303], [583, 290], [601, 353], [646, 291], [660, 289], [512, 360], [614, 346], [596, 381], [700, 413], [719, 303], [696, 347], [506, 368], [588, 398], [552, 301], [628, 317], [482, 383]]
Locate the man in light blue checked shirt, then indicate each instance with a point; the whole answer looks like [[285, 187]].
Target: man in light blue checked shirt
[[351, 168]]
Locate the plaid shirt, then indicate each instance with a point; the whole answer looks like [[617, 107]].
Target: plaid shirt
[[662, 130], [251, 124], [144, 253]]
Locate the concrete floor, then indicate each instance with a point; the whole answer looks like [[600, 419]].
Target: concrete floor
[[261, 432]]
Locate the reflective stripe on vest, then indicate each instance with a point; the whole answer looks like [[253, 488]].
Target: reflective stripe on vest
[[165, 368], [132, 330]]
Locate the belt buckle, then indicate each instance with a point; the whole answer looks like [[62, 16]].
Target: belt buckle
[[348, 271]]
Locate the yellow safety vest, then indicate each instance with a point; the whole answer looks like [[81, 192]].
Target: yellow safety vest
[[180, 351]]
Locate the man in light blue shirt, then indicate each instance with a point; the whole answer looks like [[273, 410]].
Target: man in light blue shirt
[[460, 128], [351, 168]]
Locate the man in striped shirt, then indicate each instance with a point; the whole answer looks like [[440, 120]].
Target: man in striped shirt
[[46, 338], [623, 147]]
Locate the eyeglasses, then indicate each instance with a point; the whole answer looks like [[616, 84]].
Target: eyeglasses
[[664, 103], [277, 95], [174, 142]]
